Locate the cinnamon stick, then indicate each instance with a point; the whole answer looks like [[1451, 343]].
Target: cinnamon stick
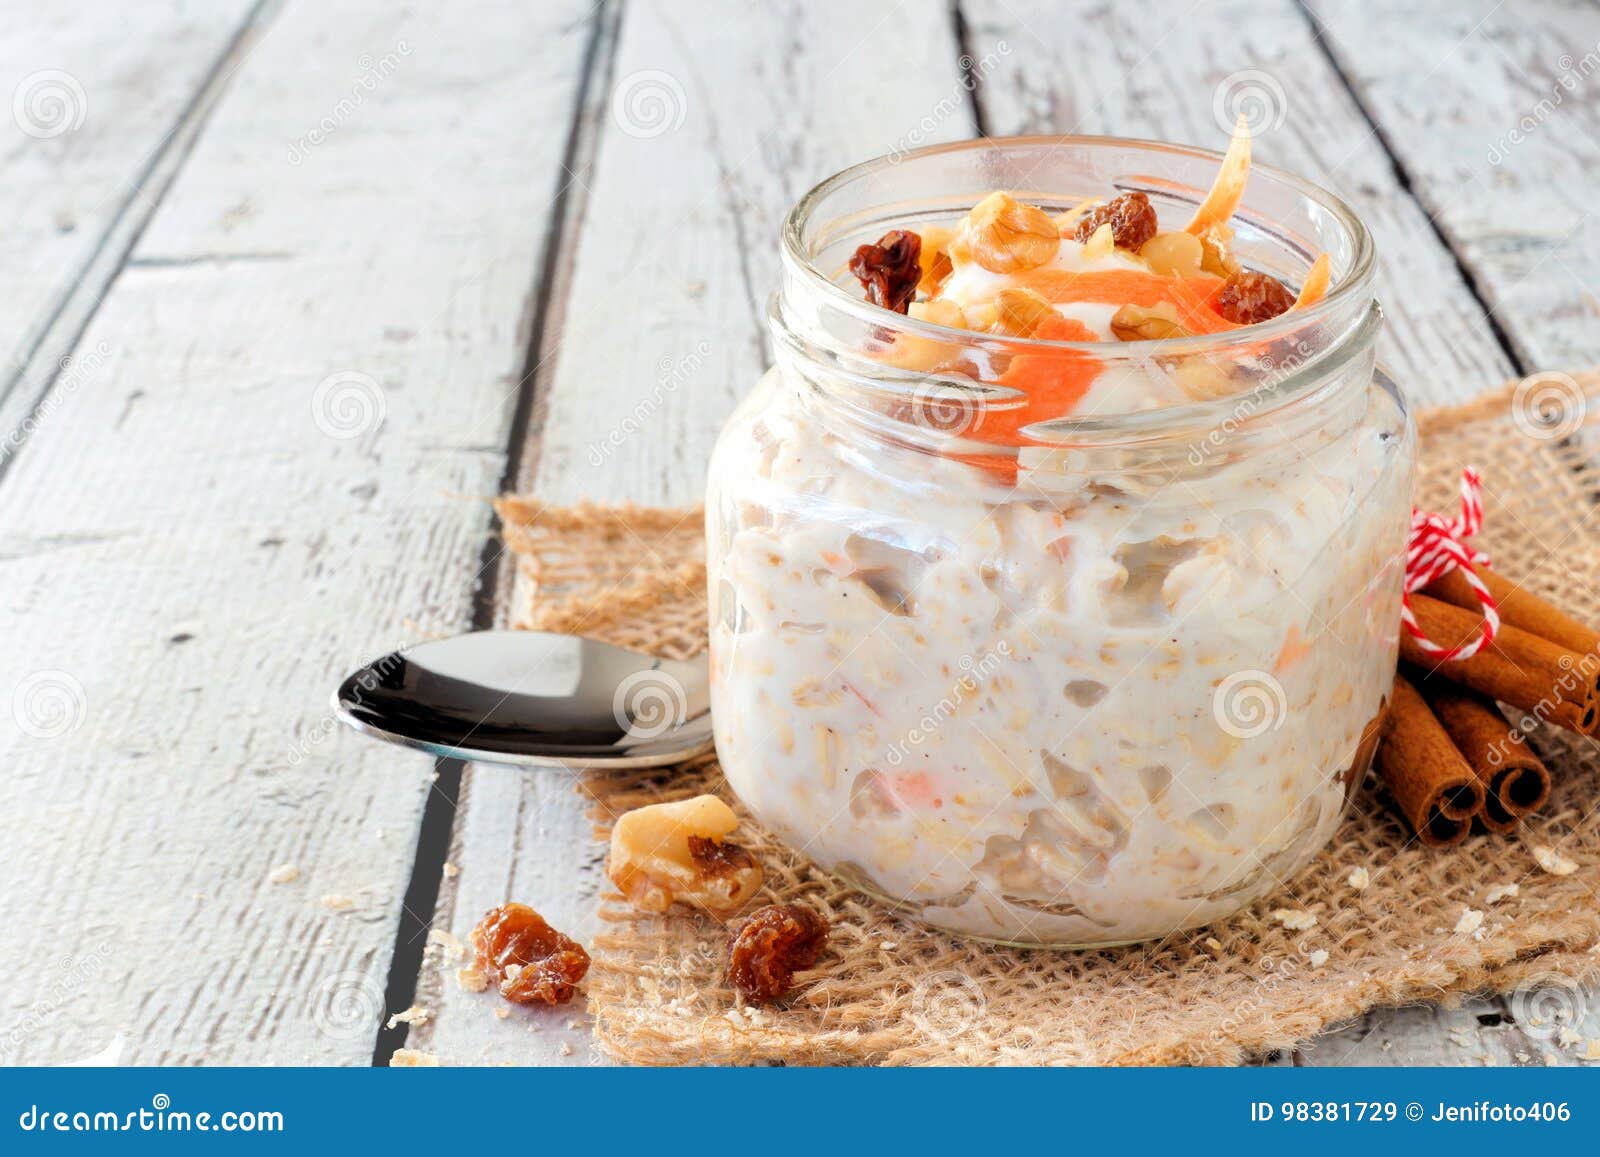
[[1515, 781], [1519, 607], [1532, 674], [1433, 786]]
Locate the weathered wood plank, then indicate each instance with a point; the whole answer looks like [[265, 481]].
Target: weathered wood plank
[[103, 102], [1495, 113], [1492, 115], [1187, 85], [1476, 1033], [677, 251], [291, 408]]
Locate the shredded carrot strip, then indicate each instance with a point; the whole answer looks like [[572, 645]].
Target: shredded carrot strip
[[1315, 286], [1054, 382], [1228, 188], [1192, 297], [1068, 221], [1294, 649]]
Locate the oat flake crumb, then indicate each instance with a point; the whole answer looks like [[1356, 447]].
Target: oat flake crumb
[[1500, 892], [416, 1014], [412, 1059], [1294, 919], [472, 979], [451, 871], [284, 874], [336, 903], [1591, 1051], [565, 1049], [1214, 944], [1471, 920], [1358, 878], [502, 1012], [451, 944], [1553, 861], [1319, 957], [1567, 1038]]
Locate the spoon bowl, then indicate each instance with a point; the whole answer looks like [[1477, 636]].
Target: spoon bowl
[[533, 699]]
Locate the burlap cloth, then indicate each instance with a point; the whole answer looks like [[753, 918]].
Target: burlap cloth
[[889, 991]]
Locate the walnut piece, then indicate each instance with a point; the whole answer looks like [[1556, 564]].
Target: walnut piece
[[1155, 323], [934, 259], [1005, 236], [668, 853], [939, 311], [1021, 310], [1174, 254]]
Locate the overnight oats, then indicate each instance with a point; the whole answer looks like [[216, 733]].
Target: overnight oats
[[1055, 567]]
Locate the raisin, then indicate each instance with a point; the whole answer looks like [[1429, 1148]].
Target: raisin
[[530, 960], [889, 270], [775, 943], [1131, 216], [1248, 297], [719, 859]]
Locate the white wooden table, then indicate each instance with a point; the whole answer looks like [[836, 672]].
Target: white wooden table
[[291, 289]]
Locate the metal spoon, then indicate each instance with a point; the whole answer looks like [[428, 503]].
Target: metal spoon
[[533, 699]]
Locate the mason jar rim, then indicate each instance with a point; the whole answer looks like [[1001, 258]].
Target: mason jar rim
[[1351, 288]]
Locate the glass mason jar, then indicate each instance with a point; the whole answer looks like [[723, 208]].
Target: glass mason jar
[[1074, 679]]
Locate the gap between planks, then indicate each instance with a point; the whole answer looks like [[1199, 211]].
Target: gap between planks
[[1403, 178], [496, 569]]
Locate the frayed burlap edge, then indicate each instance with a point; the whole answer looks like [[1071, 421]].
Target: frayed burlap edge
[[891, 991]]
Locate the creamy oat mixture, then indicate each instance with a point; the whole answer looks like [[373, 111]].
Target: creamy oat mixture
[[1055, 701]]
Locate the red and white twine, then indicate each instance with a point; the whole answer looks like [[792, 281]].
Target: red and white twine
[[1438, 546]]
